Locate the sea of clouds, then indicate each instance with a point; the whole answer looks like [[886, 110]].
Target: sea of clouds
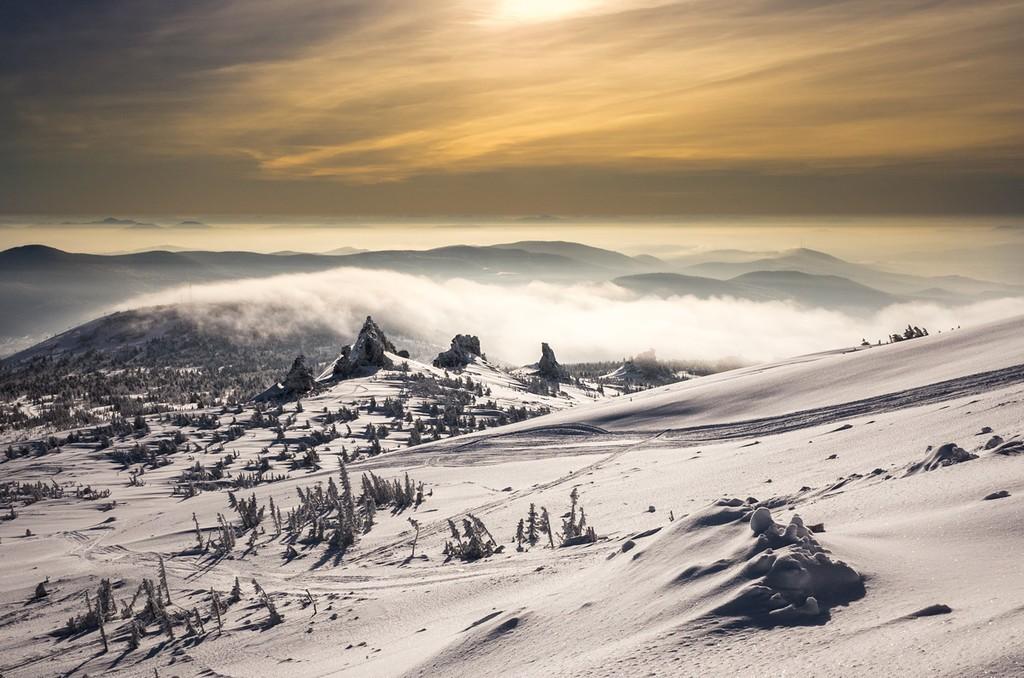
[[593, 321]]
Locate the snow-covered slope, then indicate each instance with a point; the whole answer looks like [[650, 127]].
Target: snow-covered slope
[[886, 454], [501, 391], [927, 367]]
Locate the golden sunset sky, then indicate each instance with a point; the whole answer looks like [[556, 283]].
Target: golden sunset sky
[[599, 107]]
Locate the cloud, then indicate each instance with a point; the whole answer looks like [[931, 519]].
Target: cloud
[[582, 322], [409, 94], [679, 85]]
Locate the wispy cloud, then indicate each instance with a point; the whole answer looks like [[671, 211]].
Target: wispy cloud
[[369, 92], [726, 84]]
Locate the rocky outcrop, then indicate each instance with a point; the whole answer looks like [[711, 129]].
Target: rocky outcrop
[[465, 349], [548, 368], [298, 382], [368, 352], [300, 379]]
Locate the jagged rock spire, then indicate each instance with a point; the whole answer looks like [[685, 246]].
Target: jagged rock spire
[[299, 379], [548, 367], [298, 382], [367, 352], [465, 348]]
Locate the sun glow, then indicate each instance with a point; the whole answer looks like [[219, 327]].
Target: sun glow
[[539, 10]]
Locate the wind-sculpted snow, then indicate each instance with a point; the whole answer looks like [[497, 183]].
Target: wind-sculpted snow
[[872, 527], [725, 566], [537, 443], [794, 577], [945, 455], [736, 564]]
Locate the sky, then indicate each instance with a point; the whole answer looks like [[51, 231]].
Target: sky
[[413, 108]]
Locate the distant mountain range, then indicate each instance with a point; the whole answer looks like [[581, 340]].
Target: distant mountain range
[[820, 263], [591, 256], [45, 290], [112, 221], [115, 222], [824, 291]]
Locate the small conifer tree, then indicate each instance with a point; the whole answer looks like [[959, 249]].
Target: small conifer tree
[[532, 527], [416, 526], [215, 608], [545, 526], [274, 617], [163, 582]]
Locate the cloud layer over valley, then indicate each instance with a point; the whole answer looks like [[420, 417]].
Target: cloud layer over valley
[[592, 321]]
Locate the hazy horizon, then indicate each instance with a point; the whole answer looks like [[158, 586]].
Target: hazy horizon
[[926, 244]]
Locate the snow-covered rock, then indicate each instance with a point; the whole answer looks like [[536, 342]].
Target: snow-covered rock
[[548, 367], [464, 350], [367, 353], [298, 382], [300, 378]]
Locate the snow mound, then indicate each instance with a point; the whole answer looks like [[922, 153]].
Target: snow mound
[[946, 455], [726, 566], [993, 442], [1011, 448], [752, 571], [795, 578]]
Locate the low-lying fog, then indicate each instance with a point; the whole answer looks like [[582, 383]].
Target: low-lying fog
[[581, 321]]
